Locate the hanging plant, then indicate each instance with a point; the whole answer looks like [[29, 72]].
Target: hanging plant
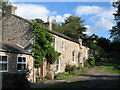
[[43, 49]]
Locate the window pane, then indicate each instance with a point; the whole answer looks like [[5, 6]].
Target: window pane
[[0, 66], [4, 66], [57, 61], [19, 66], [23, 59], [0, 58], [4, 58], [24, 66], [19, 59], [57, 67]]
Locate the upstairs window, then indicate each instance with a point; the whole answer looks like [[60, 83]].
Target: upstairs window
[[73, 56], [63, 46], [22, 63], [54, 43], [3, 63]]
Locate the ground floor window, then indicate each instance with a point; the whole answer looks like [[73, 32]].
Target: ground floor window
[[22, 63], [58, 65], [73, 56], [3, 63]]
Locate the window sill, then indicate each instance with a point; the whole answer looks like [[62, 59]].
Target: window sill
[[73, 62], [57, 71], [3, 71]]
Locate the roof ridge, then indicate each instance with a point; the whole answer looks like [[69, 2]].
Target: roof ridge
[[21, 18]]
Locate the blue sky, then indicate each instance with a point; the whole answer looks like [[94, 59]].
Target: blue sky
[[98, 16]]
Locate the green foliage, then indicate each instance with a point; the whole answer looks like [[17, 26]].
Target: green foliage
[[72, 27], [3, 7], [64, 75], [115, 32], [111, 69], [71, 68], [91, 61], [43, 49]]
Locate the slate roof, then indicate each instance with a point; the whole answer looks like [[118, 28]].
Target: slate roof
[[12, 48], [63, 36]]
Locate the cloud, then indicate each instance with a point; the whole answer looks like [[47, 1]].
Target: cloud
[[60, 18], [62, 0], [99, 18], [30, 11], [66, 15], [87, 10], [88, 30]]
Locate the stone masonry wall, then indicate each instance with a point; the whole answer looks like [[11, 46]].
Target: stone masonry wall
[[12, 64], [16, 30], [66, 53]]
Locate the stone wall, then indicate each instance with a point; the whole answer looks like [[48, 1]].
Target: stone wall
[[16, 30], [66, 52], [12, 64]]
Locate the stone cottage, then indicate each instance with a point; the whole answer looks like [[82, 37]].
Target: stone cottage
[[16, 46]]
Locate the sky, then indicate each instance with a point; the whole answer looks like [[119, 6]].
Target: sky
[[98, 16]]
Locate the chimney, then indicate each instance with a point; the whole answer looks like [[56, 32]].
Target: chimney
[[50, 24], [80, 42], [10, 10]]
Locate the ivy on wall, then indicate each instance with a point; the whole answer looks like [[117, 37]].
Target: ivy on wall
[[43, 48]]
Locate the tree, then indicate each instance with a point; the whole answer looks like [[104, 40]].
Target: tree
[[115, 32], [43, 49], [3, 7], [73, 27], [57, 27]]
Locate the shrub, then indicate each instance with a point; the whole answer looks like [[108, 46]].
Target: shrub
[[91, 61], [70, 68], [63, 75]]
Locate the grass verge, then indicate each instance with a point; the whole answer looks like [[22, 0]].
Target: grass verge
[[110, 69]]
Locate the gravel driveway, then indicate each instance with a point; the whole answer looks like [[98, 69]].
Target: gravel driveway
[[95, 79]]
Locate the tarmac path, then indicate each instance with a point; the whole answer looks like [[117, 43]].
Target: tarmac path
[[94, 79]]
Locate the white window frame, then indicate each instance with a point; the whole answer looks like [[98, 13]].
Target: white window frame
[[57, 71], [73, 57], [63, 45], [4, 63], [21, 63]]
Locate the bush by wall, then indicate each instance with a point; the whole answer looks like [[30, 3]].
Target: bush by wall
[[91, 61], [71, 68]]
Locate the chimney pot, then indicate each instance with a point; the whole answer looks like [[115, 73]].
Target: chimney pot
[[10, 10]]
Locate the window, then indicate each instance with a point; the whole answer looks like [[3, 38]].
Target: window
[[3, 63], [58, 65], [73, 56], [22, 63], [63, 45]]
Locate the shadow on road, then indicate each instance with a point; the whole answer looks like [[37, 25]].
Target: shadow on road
[[101, 76], [94, 81]]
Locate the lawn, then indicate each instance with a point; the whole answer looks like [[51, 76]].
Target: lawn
[[110, 69]]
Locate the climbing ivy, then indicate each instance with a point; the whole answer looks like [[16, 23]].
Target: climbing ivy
[[43, 48]]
